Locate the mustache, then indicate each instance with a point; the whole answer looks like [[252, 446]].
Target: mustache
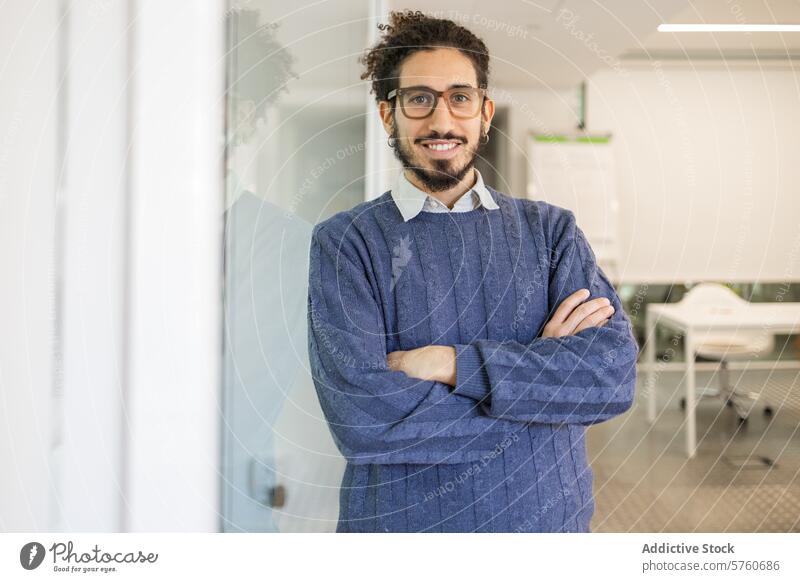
[[435, 135]]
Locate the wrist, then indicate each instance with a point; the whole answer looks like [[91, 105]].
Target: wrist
[[445, 364]]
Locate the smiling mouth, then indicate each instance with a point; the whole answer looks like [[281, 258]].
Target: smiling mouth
[[441, 147]]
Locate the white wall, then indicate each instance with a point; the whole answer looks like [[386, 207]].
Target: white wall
[[708, 170], [28, 146], [707, 165]]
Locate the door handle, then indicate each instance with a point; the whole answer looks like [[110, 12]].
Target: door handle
[[261, 483]]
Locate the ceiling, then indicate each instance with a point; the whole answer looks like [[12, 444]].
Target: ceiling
[[561, 42], [762, 44], [535, 43]]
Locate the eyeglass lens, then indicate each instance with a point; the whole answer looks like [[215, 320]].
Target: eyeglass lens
[[463, 102]]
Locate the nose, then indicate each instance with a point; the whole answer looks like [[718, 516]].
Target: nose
[[441, 119]]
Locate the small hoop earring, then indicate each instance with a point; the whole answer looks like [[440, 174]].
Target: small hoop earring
[[484, 138], [390, 141]]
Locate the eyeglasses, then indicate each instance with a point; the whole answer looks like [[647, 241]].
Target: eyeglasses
[[420, 102]]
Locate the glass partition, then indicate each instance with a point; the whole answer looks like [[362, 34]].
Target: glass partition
[[295, 156]]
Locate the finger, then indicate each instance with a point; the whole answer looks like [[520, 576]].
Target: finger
[[570, 303], [596, 319], [601, 304]]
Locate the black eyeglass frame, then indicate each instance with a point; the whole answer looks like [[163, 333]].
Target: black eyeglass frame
[[436, 96]]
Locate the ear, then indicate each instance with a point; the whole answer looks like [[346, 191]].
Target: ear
[[387, 115], [487, 113]]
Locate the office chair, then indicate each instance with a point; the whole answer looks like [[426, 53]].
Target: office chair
[[727, 346]]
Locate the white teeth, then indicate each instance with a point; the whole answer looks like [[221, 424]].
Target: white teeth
[[441, 147]]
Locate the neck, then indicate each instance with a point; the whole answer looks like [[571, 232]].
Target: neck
[[447, 197]]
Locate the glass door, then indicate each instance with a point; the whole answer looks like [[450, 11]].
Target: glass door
[[295, 140]]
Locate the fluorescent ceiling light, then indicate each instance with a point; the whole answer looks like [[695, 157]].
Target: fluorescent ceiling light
[[729, 28]]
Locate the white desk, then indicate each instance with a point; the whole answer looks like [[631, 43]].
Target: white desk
[[770, 317]]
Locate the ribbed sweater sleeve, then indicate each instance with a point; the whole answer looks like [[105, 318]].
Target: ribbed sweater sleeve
[[376, 414], [584, 378]]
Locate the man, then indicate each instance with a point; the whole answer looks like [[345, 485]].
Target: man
[[460, 339]]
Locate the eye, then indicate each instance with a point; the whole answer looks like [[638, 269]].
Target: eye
[[460, 98], [418, 99]]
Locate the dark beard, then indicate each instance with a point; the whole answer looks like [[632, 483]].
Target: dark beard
[[440, 178]]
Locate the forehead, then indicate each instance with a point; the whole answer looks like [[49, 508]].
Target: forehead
[[439, 69]]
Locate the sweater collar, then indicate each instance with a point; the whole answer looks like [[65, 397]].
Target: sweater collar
[[410, 200]]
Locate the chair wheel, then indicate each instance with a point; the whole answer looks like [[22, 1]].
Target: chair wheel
[[767, 411], [729, 403], [742, 420], [683, 403]]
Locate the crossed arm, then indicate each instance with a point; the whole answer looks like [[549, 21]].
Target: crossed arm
[[451, 404], [573, 315]]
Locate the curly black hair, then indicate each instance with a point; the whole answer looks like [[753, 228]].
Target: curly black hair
[[411, 31]]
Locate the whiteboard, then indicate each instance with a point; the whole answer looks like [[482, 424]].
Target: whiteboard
[[578, 173]]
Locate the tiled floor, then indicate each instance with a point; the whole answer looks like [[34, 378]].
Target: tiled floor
[[645, 483]]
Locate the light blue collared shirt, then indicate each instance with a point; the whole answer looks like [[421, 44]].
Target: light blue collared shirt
[[410, 200]]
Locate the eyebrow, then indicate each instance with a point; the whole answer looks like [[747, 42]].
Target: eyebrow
[[453, 86]]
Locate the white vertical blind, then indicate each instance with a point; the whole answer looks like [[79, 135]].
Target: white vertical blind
[[173, 385], [91, 262]]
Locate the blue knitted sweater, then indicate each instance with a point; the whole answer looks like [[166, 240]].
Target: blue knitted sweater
[[504, 449]]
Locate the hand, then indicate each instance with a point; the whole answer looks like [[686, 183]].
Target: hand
[[436, 363], [573, 315]]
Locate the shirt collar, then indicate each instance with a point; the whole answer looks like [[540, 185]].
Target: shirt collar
[[410, 200]]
